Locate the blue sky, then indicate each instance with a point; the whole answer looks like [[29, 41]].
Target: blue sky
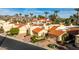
[[63, 12]]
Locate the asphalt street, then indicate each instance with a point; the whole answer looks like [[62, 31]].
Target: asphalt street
[[11, 44]]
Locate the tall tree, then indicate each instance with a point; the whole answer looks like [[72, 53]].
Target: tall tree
[[16, 17], [56, 12], [46, 14], [26, 15], [31, 15], [20, 17], [34, 16], [77, 9], [16, 14], [51, 17], [77, 15], [54, 16], [40, 16], [20, 14]]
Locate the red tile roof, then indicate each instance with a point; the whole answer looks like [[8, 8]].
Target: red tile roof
[[34, 19], [53, 28], [43, 19], [37, 30], [56, 32]]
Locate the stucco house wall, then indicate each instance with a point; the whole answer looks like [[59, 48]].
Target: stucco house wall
[[22, 29]]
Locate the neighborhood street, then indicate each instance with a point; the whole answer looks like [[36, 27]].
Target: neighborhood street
[[10, 44]]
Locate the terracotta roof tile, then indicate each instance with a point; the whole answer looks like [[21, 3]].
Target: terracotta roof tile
[[37, 30], [53, 28], [56, 32], [34, 19]]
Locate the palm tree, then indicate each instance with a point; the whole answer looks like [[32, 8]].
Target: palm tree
[[46, 13], [26, 15], [16, 17], [16, 14], [31, 15], [20, 17], [20, 14], [26, 18], [51, 17], [54, 16], [56, 12], [77, 15], [77, 9]]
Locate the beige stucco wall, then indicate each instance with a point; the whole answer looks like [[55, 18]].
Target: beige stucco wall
[[22, 29]]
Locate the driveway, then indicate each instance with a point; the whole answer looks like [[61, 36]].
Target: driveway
[[23, 37]]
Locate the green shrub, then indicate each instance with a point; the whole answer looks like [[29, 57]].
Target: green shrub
[[57, 21], [52, 46], [36, 39], [13, 31]]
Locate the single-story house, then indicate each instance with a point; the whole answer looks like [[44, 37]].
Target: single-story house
[[58, 34], [53, 33], [39, 31]]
